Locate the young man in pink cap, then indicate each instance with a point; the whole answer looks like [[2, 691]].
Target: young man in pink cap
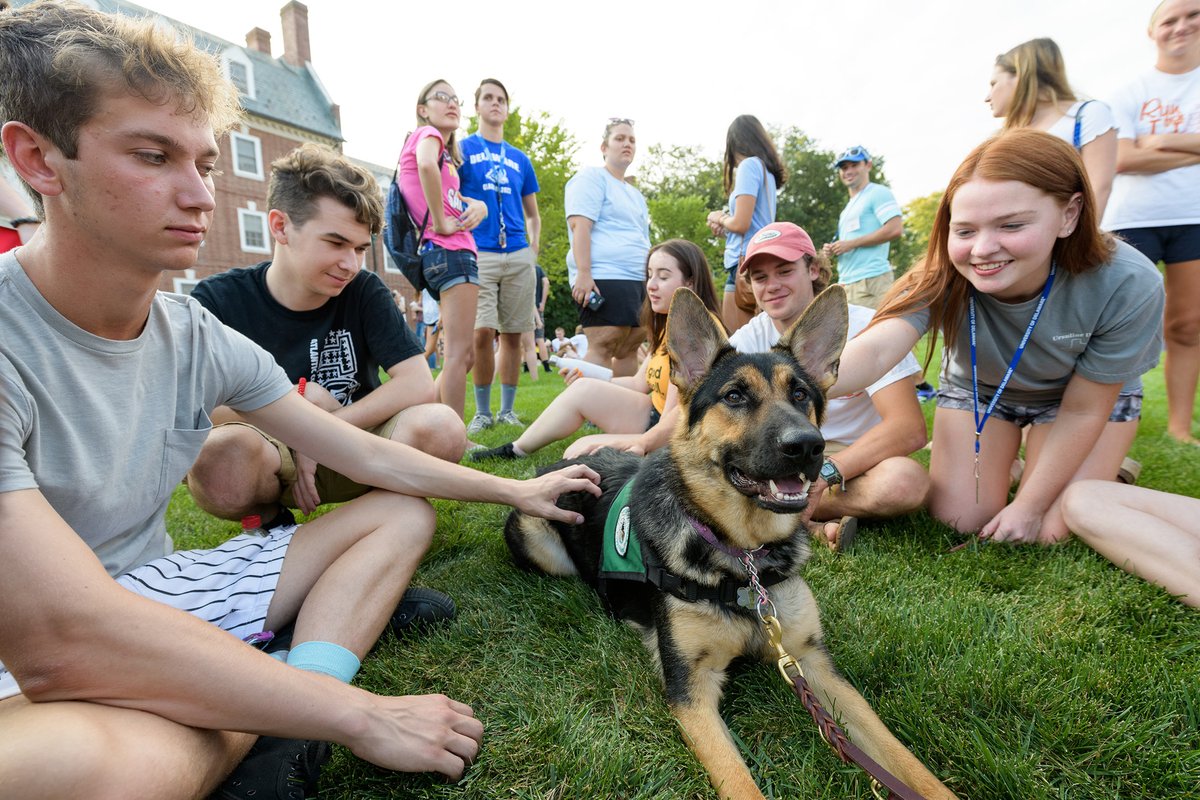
[[869, 435]]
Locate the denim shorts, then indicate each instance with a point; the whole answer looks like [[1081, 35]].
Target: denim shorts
[[1128, 407], [1170, 244], [447, 268]]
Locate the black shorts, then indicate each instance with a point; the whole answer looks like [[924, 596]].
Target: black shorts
[[622, 305], [1170, 244]]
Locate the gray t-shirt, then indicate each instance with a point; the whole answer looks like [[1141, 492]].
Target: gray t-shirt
[[106, 429], [1104, 324]]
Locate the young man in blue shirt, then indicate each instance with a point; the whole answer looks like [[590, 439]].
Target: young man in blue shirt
[[502, 177]]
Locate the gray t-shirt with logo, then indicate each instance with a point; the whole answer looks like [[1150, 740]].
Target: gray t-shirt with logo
[[106, 429], [1104, 324]]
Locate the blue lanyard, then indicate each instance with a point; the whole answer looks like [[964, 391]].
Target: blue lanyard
[[1012, 365], [500, 180]]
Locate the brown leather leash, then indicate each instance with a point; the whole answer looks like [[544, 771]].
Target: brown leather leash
[[831, 732]]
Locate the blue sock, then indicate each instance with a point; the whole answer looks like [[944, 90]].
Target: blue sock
[[483, 400], [325, 657], [508, 395]]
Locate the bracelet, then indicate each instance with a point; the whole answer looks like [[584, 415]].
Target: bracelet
[[19, 221]]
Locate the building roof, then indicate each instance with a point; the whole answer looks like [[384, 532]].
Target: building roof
[[283, 93]]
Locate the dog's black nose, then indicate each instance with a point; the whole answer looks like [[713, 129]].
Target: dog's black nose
[[803, 444]]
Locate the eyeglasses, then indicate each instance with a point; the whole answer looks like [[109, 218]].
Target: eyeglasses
[[445, 98], [620, 121]]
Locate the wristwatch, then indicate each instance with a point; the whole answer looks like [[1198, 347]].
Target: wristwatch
[[832, 475]]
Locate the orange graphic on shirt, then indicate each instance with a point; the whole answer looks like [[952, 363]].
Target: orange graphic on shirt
[[1163, 117]]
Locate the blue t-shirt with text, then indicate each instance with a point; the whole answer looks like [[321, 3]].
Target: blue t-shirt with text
[[501, 176]]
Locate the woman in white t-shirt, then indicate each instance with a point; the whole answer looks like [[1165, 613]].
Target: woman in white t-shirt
[[1156, 199], [1029, 89]]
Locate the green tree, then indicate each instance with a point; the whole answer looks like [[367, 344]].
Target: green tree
[[681, 186], [918, 222], [813, 196]]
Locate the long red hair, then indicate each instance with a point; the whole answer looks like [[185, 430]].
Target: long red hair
[[1032, 157]]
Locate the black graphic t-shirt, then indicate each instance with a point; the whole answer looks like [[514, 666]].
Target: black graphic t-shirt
[[340, 345]]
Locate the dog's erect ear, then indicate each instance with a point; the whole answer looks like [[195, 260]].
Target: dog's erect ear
[[817, 338], [693, 339]]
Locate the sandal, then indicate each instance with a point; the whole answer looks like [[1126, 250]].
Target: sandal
[[1129, 471], [847, 533]]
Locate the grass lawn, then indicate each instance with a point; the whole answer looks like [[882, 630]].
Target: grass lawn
[[1012, 672]]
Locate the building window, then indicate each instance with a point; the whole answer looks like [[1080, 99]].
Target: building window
[[388, 264], [253, 228], [238, 68], [247, 156], [239, 76], [186, 282]]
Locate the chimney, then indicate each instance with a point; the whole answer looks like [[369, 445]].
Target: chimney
[[295, 34], [259, 40]]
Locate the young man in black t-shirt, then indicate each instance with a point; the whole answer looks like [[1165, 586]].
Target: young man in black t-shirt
[[329, 324]]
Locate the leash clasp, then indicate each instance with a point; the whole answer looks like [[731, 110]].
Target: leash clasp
[[788, 667]]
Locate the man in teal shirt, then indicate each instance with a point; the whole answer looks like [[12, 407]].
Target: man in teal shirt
[[867, 224]]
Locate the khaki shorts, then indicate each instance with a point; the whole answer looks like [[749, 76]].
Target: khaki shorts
[[333, 487], [507, 285], [869, 291]]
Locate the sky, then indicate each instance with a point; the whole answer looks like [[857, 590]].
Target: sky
[[906, 80]]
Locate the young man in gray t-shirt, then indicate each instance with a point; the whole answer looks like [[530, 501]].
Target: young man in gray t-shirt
[[105, 390]]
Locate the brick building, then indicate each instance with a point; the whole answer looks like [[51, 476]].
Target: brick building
[[286, 105]]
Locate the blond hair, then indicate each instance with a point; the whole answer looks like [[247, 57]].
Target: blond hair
[[69, 56]]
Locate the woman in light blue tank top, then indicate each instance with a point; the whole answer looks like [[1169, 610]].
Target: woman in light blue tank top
[[753, 174]]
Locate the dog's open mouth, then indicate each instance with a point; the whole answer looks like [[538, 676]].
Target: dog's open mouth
[[781, 494]]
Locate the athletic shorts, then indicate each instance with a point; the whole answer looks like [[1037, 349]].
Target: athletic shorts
[[1170, 244], [507, 282], [445, 269], [230, 586], [622, 305], [869, 291], [333, 487], [1128, 407]]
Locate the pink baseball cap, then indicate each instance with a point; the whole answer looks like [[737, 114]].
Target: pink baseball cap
[[784, 240]]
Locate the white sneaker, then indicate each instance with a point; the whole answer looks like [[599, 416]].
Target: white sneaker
[[480, 422], [510, 418]]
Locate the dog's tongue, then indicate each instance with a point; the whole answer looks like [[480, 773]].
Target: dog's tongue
[[791, 485]]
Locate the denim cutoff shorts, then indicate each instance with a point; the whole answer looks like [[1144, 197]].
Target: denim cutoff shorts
[[448, 268]]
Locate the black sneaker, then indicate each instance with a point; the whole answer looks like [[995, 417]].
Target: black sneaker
[[421, 608], [286, 769], [503, 451]]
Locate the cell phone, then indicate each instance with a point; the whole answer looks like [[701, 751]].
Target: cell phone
[[595, 301]]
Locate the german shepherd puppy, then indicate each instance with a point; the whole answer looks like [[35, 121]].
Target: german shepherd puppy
[[737, 471]]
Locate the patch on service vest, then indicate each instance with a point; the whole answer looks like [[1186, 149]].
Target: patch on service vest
[[621, 552]]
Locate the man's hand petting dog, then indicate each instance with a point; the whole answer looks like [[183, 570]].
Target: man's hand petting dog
[[539, 496]]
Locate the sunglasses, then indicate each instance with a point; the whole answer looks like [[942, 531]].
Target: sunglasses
[[619, 121]]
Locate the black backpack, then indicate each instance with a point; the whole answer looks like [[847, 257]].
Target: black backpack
[[402, 237]]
